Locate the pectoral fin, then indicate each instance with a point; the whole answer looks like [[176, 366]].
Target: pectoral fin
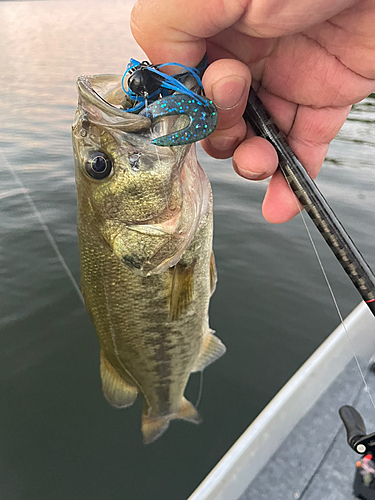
[[117, 392], [182, 289], [212, 350]]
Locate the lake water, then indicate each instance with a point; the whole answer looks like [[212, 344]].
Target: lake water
[[59, 438]]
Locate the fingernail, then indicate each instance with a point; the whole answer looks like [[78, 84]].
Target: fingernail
[[228, 91], [252, 176], [222, 143]]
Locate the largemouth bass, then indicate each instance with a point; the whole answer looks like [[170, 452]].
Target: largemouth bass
[[147, 267]]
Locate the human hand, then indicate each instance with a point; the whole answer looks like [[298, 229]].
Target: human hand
[[308, 61]]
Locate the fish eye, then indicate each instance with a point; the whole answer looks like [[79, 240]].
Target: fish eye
[[98, 165]]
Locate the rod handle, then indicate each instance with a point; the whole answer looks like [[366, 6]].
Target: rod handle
[[354, 425]]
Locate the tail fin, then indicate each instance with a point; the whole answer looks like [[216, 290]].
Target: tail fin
[[188, 412], [153, 428]]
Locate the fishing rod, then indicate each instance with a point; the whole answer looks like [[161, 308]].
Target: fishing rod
[[313, 201], [350, 259]]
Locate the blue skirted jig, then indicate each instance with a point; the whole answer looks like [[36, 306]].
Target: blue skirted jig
[[156, 94]]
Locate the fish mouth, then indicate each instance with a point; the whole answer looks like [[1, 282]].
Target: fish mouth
[[102, 98], [101, 95]]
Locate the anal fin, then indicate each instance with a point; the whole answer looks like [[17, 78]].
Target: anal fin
[[117, 392], [212, 350]]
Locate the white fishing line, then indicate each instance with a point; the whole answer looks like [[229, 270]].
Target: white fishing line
[[367, 389], [200, 392], [44, 226], [154, 136], [57, 251]]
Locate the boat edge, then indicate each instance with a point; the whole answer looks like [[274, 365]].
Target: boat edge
[[248, 455]]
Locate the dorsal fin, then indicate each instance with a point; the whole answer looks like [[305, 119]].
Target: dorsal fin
[[212, 350]]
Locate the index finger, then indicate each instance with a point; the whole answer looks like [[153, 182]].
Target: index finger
[[176, 30]]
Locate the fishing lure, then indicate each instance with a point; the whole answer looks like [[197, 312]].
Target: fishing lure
[[157, 94]]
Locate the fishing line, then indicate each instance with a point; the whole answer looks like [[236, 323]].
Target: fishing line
[[53, 242], [200, 392], [165, 183], [44, 226], [367, 389]]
